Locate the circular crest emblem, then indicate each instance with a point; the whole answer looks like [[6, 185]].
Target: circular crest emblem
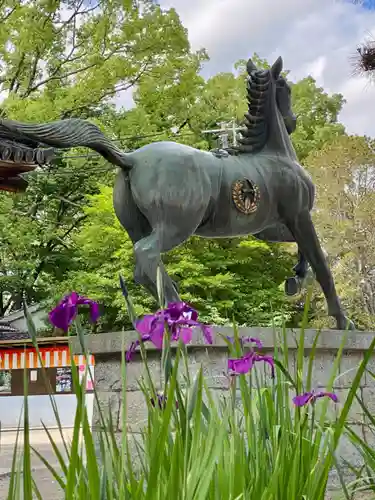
[[246, 196]]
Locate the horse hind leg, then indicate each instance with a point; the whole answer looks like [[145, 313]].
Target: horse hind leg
[[143, 239], [148, 259], [146, 242], [279, 233], [174, 205], [139, 229]]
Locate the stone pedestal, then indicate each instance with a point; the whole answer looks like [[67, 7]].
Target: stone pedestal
[[107, 350]]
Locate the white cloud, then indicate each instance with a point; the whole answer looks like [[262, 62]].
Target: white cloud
[[316, 68], [124, 99], [314, 37]]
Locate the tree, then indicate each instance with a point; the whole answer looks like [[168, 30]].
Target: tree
[[344, 172], [36, 229], [317, 113], [60, 59], [222, 98], [68, 57]]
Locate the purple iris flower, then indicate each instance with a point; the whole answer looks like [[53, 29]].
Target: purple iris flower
[[161, 401], [311, 397], [177, 310], [239, 366], [67, 309], [208, 333], [247, 340], [179, 317]]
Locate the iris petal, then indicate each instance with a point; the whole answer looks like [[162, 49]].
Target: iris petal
[[185, 334], [312, 396], [145, 324], [60, 317], [66, 310], [157, 334], [179, 317], [323, 394], [241, 365], [238, 366], [246, 340], [208, 333], [302, 399]]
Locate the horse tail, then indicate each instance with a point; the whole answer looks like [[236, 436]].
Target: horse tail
[[70, 133]]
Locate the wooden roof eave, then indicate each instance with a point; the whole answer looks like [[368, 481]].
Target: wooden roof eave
[[9, 344]]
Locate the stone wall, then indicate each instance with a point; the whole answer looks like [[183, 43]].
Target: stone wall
[[107, 349]]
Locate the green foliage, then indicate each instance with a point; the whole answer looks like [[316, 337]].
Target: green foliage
[[317, 117], [36, 230], [66, 57], [250, 444], [70, 58], [365, 474], [344, 172], [222, 98], [238, 278]]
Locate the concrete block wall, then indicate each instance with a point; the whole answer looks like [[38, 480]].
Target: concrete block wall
[[107, 349]]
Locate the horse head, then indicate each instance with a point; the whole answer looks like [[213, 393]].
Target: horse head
[[284, 103], [269, 95]]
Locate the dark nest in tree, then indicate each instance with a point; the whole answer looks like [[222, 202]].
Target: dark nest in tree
[[364, 60]]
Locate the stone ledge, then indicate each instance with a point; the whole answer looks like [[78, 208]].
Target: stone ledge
[[329, 340]]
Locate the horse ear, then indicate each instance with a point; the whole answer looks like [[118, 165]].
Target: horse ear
[[277, 68], [250, 66]]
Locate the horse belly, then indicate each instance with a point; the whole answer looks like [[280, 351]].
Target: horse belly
[[227, 220], [239, 226], [245, 205]]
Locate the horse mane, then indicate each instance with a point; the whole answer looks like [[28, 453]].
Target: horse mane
[[254, 135]]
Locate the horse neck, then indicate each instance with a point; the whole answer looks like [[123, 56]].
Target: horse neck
[[264, 126], [278, 140]]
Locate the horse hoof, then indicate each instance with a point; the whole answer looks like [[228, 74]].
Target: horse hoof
[[292, 286], [345, 323]]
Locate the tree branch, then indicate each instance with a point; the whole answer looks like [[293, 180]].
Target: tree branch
[[7, 16], [69, 58], [52, 244], [7, 305], [120, 88], [78, 12], [55, 76], [12, 85]]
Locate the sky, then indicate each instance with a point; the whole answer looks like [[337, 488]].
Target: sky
[[314, 37]]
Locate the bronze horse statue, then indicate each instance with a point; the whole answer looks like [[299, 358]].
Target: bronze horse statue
[[165, 192]]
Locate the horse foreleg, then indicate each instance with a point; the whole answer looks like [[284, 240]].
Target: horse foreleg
[[302, 228], [279, 233], [293, 285]]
